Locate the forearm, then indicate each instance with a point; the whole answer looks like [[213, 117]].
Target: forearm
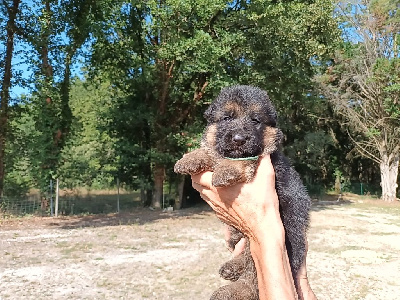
[[269, 253], [253, 208]]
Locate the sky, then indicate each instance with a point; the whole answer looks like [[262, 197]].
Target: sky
[[21, 64], [24, 54]]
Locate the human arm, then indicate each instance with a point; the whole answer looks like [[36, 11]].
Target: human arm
[[253, 208]]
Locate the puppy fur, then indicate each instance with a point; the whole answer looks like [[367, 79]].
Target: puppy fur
[[241, 123]]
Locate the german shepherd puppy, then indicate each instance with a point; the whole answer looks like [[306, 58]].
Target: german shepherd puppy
[[241, 126]]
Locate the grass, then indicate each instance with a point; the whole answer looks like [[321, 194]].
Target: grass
[[178, 257], [68, 250]]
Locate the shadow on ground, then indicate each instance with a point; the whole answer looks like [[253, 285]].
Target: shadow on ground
[[137, 216], [140, 215]]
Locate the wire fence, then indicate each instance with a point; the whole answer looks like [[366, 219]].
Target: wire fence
[[359, 188], [75, 202], [71, 205], [18, 207], [68, 205]]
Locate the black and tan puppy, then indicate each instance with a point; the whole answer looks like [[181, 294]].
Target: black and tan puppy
[[241, 127]]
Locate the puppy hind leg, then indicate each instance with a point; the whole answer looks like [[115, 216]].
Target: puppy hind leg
[[234, 268], [239, 290], [234, 236]]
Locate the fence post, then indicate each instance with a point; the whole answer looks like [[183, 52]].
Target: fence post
[[361, 189], [51, 197], [56, 208], [117, 195]]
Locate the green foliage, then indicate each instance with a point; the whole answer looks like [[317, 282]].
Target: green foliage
[[386, 73], [172, 57], [89, 157], [363, 85], [312, 153], [154, 66], [20, 171]]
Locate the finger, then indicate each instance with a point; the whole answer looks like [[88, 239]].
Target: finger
[[265, 165], [227, 233], [218, 208], [265, 170], [239, 247], [206, 194], [227, 236], [204, 179]]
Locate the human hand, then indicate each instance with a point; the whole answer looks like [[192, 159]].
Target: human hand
[[245, 206], [253, 209]]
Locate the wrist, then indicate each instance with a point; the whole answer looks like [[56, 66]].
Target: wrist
[[271, 260], [269, 236], [267, 227]]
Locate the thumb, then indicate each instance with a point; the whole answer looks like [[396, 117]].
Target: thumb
[[265, 171]]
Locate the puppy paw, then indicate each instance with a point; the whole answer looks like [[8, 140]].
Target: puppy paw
[[234, 268], [234, 237], [187, 166], [225, 176], [231, 271], [193, 163]]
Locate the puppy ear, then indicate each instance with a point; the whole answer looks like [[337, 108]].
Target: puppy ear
[[279, 136], [273, 137], [209, 113], [270, 110], [271, 120]]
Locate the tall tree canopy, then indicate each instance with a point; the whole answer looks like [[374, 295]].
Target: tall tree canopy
[[171, 57], [148, 69], [363, 84]]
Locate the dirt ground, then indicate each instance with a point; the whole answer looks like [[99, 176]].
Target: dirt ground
[[354, 253]]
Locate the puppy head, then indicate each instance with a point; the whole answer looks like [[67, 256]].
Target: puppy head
[[242, 123]]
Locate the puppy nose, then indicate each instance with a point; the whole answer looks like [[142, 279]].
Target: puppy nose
[[239, 139]]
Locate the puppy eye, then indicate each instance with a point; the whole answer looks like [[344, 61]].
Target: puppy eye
[[271, 124], [227, 118]]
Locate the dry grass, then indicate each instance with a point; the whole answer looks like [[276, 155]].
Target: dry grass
[[353, 254]]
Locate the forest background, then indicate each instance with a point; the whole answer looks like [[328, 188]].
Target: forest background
[[115, 90]]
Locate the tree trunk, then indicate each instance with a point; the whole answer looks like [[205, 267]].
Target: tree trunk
[[159, 174], [5, 91], [389, 171], [146, 196], [179, 198], [146, 167], [66, 113], [47, 68]]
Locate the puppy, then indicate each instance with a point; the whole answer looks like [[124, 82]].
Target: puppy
[[241, 127]]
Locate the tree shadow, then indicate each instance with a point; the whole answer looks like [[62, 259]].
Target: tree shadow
[[329, 202], [138, 216]]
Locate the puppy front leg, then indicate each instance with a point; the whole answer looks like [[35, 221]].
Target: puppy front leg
[[194, 162], [229, 172]]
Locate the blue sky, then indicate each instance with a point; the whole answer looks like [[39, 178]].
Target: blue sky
[[24, 54]]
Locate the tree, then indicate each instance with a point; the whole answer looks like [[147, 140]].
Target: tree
[[284, 44], [89, 158], [163, 55], [54, 32], [171, 57], [10, 10], [21, 173], [363, 84]]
